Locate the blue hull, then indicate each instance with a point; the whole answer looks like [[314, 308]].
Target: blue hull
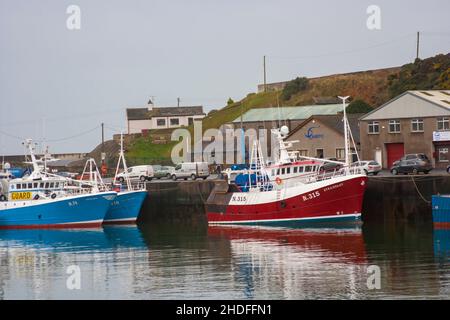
[[126, 207], [72, 212], [441, 211]]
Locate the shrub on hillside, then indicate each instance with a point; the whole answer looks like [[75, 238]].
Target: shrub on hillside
[[358, 106], [428, 74], [293, 87]]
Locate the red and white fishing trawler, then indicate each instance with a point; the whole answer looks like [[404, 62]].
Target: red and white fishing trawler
[[317, 196]]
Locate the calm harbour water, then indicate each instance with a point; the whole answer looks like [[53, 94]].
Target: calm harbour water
[[187, 262]]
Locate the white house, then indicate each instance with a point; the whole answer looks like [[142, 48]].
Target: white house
[[139, 119]]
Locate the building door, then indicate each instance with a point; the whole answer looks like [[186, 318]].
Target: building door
[[394, 152], [378, 156]]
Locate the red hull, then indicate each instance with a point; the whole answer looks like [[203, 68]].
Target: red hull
[[336, 201]]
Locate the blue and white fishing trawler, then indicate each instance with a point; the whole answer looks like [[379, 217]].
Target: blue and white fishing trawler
[[126, 206], [42, 201]]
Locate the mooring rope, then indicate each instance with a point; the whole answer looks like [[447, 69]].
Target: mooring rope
[[418, 191]]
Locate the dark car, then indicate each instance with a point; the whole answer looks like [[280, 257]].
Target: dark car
[[410, 166], [331, 166], [415, 156]]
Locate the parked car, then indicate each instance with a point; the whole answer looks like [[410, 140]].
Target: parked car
[[369, 166], [410, 166], [163, 171], [191, 170], [70, 175], [414, 156], [143, 173], [331, 166]]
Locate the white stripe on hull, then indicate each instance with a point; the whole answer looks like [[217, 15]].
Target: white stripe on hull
[[355, 215], [80, 222]]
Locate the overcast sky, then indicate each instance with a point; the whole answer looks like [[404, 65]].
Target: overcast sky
[[59, 83]]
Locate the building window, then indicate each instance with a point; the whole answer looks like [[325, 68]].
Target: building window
[[394, 126], [443, 154], [190, 121], [303, 153], [174, 122], [374, 127], [340, 154], [443, 123], [416, 125], [160, 122]]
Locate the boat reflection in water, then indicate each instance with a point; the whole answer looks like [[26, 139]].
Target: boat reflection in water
[[300, 263], [34, 264], [441, 240]]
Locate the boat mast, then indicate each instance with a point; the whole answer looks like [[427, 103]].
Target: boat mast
[[36, 170], [346, 146], [125, 168]]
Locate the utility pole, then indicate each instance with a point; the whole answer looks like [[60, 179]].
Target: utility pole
[[417, 49], [178, 102], [103, 137], [264, 65]]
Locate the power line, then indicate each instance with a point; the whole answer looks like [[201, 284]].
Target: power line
[[344, 51], [50, 140]]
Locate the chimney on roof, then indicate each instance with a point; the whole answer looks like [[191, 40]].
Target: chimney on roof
[[150, 104]]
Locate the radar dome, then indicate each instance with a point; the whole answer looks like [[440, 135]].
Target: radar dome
[[284, 130]]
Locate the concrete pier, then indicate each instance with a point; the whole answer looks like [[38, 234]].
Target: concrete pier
[[395, 198]]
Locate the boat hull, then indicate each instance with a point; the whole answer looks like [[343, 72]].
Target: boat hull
[[328, 201], [82, 211], [125, 208]]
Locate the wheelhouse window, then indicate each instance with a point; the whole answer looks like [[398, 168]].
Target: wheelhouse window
[[394, 126], [295, 169], [373, 127], [160, 122], [443, 123], [416, 125], [174, 122]]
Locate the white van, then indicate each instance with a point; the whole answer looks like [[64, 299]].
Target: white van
[[191, 170], [142, 173]]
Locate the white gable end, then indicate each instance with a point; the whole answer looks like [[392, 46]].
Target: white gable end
[[407, 106]]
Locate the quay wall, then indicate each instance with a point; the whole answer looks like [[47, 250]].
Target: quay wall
[[387, 198]]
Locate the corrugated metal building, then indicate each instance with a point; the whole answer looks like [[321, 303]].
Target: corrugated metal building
[[268, 118]]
